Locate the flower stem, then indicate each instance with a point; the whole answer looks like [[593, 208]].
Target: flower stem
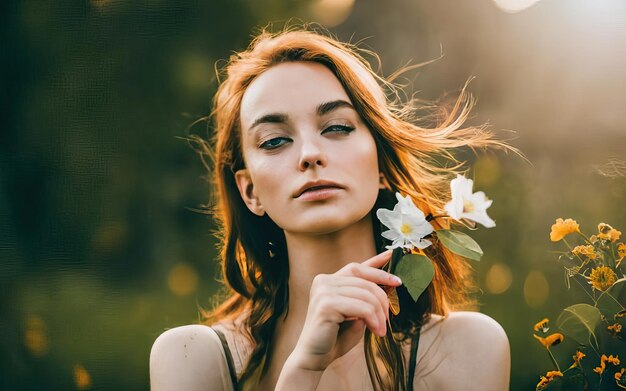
[[585, 289], [614, 258], [584, 237], [567, 244], [558, 368]]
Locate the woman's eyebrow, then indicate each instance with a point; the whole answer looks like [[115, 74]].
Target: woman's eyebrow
[[327, 107], [274, 118]]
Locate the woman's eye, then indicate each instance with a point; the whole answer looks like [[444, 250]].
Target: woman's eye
[[339, 128], [274, 143]]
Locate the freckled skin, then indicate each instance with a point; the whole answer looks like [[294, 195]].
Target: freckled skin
[[309, 150]]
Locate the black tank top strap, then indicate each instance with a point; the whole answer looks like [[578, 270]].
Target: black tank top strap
[[413, 359], [229, 357]]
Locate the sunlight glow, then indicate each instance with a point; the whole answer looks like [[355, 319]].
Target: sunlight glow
[[331, 13], [513, 6]]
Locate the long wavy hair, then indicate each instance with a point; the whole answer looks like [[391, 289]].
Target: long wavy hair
[[414, 145]]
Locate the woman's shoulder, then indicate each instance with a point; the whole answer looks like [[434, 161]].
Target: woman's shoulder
[[472, 327], [463, 328], [466, 344], [181, 356]]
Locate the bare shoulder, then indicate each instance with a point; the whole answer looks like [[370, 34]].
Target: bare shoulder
[[471, 345], [473, 328], [188, 358]]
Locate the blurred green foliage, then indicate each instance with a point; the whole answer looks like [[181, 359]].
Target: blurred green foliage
[[99, 240]]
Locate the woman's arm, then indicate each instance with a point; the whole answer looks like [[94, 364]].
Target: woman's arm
[[469, 351], [188, 358]]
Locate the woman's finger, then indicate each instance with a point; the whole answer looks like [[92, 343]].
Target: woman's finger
[[369, 273], [351, 283], [358, 309], [378, 260], [380, 304]]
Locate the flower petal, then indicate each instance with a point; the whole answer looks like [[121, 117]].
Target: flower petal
[[468, 205], [390, 219], [390, 234], [454, 208]]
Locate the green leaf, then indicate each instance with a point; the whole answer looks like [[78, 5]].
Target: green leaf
[[610, 301], [416, 272], [460, 243], [579, 322]]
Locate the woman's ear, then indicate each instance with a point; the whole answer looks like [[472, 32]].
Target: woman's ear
[[383, 183], [246, 189]]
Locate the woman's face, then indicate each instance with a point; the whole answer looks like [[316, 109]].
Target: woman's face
[[299, 131]]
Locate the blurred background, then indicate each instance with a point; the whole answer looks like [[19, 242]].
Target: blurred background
[[101, 244]]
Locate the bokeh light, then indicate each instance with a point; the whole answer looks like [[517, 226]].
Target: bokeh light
[[35, 336], [331, 13], [513, 6], [499, 278], [182, 279], [82, 378], [536, 289]]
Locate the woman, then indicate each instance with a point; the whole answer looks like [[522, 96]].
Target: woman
[[307, 147]]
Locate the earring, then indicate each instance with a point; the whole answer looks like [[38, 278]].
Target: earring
[[271, 249]]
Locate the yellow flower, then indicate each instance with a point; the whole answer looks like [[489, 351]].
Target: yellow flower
[[545, 380], [603, 360], [600, 370], [606, 232], [562, 228], [615, 329], [542, 325], [621, 383], [602, 278], [550, 340], [587, 250], [577, 357], [613, 360]]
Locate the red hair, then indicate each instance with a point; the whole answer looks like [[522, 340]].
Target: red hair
[[409, 156]]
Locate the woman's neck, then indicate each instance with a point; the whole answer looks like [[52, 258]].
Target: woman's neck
[[310, 255]]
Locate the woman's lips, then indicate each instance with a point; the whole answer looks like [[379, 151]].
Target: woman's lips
[[318, 193]]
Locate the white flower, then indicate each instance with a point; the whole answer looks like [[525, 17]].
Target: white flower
[[468, 205], [407, 224]]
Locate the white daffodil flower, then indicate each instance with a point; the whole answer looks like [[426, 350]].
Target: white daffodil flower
[[407, 224], [468, 205]]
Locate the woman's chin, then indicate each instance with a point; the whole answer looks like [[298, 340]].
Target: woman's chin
[[324, 223]]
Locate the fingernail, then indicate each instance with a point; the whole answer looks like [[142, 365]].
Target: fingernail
[[396, 279]]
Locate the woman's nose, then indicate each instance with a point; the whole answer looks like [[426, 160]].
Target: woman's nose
[[311, 155]]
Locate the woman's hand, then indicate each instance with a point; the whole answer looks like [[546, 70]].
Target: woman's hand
[[341, 305]]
